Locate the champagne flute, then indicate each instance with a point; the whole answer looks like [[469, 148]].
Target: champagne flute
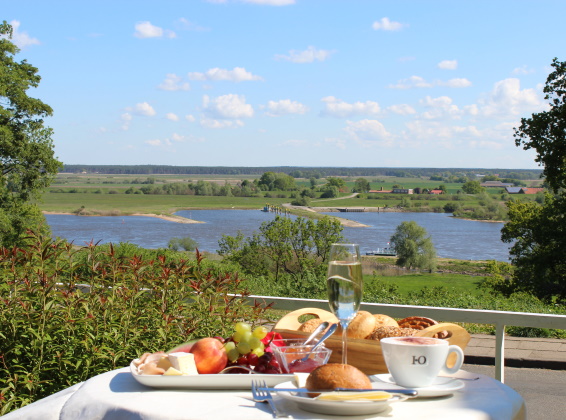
[[344, 284]]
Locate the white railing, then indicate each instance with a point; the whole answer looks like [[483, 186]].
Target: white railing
[[498, 318]]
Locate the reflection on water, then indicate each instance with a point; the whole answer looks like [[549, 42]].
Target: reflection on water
[[452, 237]]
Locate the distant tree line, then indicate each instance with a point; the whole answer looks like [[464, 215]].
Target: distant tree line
[[440, 174]]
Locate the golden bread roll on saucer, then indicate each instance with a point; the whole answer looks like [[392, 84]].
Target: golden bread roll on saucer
[[384, 321], [310, 325], [337, 375]]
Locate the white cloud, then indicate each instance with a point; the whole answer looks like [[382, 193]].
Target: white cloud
[[441, 107], [177, 137], [309, 55], [523, 70], [172, 117], [294, 143], [456, 83], [218, 124], [508, 100], [126, 119], [159, 143], [144, 109], [336, 142], [173, 82], [285, 107], [229, 106], [237, 74], [384, 24], [20, 38], [411, 82], [402, 109], [369, 132], [448, 65], [190, 118], [147, 30], [338, 108], [419, 82]]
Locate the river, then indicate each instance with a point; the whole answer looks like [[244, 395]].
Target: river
[[452, 237]]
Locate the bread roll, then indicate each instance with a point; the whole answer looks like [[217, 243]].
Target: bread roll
[[384, 321], [310, 325], [337, 375], [382, 332], [361, 326]]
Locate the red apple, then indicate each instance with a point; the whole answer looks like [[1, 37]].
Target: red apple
[[210, 355]]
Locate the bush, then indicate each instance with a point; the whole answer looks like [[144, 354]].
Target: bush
[[68, 314]]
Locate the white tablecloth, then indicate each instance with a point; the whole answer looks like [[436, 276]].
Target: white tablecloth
[[116, 395]]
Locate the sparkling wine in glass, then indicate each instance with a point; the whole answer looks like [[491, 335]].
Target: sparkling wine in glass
[[344, 285]]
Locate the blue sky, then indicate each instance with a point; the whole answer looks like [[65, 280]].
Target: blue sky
[[290, 82]]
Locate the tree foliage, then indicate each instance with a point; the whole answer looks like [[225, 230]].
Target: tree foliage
[[472, 187], [414, 247], [538, 230], [27, 162], [284, 247]]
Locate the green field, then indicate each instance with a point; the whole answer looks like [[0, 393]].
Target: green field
[[459, 283]]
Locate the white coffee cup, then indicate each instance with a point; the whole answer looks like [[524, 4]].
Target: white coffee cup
[[415, 362]]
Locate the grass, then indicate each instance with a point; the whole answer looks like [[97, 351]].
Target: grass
[[460, 283]]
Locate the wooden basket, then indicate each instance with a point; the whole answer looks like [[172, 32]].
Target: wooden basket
[[364, 354]]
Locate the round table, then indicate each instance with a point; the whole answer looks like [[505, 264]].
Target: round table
[[117, 395]]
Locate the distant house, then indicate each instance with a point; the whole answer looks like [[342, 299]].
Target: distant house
[[496, 184], [380, 191], [437, 192], [523, 190], [402, 191], [532, 190], [513, 190]]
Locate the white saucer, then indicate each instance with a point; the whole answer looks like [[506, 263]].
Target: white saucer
[[337, 408], [439, 388]]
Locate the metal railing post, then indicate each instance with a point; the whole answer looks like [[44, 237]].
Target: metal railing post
[[500, 351]]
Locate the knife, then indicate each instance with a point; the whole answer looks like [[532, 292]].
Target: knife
[[408, 392]]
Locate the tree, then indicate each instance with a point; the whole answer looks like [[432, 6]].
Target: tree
[[472, 187], [27, 162], [538, 231], [414, 248], [361, 185], [284, 247], [186, 243]]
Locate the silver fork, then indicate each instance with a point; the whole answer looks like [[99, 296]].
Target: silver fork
[[263, 395]]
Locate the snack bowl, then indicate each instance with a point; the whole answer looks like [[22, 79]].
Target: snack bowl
[[288, 356]]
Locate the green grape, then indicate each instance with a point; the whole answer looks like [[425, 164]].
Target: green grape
[[242, 327], [243, 347], [247, 336], [259, 351], [233, 354], [237, 337], [229, 345], [260, 332], [255, 343]]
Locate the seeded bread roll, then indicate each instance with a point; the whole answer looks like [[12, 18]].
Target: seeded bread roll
[[310, 325], [337, 375], [382, 332], [361, 326]]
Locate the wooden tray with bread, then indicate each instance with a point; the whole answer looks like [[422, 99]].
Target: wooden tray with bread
[[364, 333]]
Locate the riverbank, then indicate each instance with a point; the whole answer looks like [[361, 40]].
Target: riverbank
[[168, 217]]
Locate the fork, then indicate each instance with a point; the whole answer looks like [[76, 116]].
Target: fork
[[263, 395]]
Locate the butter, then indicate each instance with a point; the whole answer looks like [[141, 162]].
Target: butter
[[172, 372], [183, 362], [355, 396]]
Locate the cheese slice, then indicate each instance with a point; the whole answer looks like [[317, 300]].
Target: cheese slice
[[184, 363], [301, 379], [172, 372]]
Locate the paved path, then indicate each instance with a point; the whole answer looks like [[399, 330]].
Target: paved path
[[546, 353]]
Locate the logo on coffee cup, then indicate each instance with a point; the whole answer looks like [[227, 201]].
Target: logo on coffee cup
[[419, 360]]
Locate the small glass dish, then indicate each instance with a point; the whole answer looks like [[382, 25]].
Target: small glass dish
[[289, 355]]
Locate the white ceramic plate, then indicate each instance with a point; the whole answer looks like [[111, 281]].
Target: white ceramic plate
[[337, 408], [440, 387], [223, 381]]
